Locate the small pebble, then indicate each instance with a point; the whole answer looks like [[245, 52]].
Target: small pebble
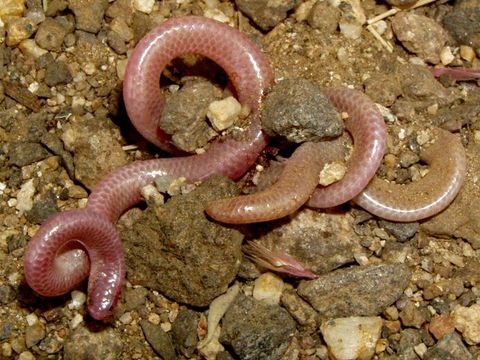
[[446, 56], [145, 6], [19, 29], [268, 288], [31, 319], [351, 30], [152, 195], [175, 186], [441, 325], [34, 334], [216, 14], [467, 321], [332, 172], [154, 318], [126, 318], [423, 137], [12, 8], [223, 113], [25, 196], [78, 299], [30, 48], [77, 192], [121, 66], [26, 355], [352, 337], [166, 326], [7, 349], [420, 349], [77, 320], [467, 53]]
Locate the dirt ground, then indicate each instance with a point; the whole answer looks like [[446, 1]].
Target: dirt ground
[[385, 290]]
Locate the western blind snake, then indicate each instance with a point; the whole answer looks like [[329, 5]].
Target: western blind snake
[[250, 73], [55, 260]]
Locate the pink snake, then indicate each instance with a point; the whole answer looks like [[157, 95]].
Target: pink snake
[[56, 259]]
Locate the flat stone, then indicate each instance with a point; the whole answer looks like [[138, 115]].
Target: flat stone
[[159, 340], [26, 153], [177, 251], [357, 291], [420, 34], [184, 332], [321, 242], [297, 110], [450, 347]]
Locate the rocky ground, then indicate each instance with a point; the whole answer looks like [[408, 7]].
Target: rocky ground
[[384, 291]]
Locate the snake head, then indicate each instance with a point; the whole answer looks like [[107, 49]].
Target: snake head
[[276, 261]]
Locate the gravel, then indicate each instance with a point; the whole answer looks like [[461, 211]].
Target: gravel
[[63, 126]]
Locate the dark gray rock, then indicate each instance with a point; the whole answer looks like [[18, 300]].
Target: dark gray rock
[[405, 343], [184, 332], [463, 23], [15, 242], [265, 13], [357, 291], [5, 330], [449, 347], [42, 208], [177, 251], [184, 115], [23, 129], [455, 117], [159, 340], [55, 145], [7, 294], [94, 344], [57, 73], [301, 311], [297, 110], [255, 330], [26, 153], [401, 231]]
